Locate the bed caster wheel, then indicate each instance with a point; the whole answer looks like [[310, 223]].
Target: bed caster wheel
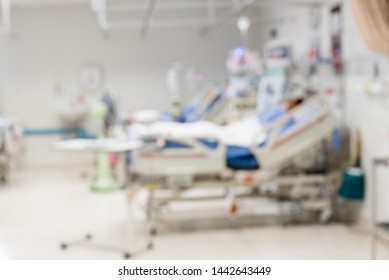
[[88, 236], [127, 256], [3, 179], [325, 216], [64, 246], [150, 246], [153, 231]]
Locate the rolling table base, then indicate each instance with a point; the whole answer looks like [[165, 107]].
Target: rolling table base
[[87, 241]]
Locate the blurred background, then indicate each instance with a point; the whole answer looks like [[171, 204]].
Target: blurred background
[[182, 129]]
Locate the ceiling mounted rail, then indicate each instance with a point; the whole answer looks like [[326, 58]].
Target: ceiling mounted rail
[[147, 18], [207, 15], [5, 25], [238, 6]]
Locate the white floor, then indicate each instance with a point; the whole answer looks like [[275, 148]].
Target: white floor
[[41, 208]]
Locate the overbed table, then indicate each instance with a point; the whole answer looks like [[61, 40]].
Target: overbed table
[[96, 146]]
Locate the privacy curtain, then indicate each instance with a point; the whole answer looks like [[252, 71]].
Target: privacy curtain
[[372, 17]]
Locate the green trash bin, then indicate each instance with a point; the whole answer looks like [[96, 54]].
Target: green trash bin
[[350, 195], [353, 186]]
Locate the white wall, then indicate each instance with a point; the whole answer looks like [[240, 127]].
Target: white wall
[[367, 114], [52, 43], [292, 24]]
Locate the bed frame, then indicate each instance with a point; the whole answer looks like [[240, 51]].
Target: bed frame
[[169, 176]]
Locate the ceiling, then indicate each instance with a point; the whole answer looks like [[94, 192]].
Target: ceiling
[[144, 13], [177, 3], [47, 2]]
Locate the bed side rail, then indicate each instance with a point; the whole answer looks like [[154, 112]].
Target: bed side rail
[[277, 149]]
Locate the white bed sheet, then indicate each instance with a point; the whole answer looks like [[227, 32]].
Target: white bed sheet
[[240, 133]]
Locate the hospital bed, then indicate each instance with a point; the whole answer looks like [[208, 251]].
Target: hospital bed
[[10, 147], [218, 105], [207, 106], [174, 164], [210, 106], [205, 153], [3, 152]]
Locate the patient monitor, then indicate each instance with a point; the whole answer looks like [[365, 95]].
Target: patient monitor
[[274, 84], [244, 69]]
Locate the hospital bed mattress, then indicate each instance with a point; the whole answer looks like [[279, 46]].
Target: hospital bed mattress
[[237, 157], [241, 158]]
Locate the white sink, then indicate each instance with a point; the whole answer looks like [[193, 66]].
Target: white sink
[[73, 117]]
